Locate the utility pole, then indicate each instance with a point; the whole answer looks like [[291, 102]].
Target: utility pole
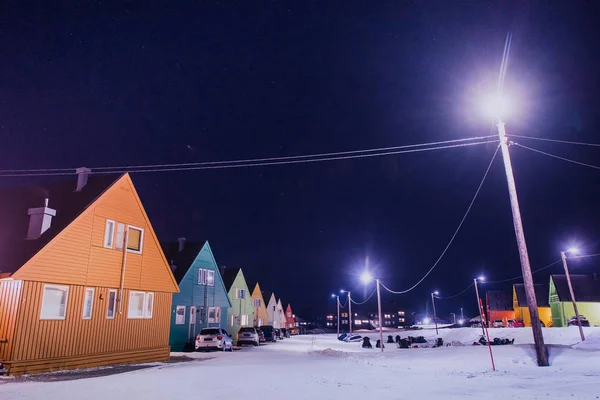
[[434, 314], [538, 338], [379, 311], [563, 256], [350, 311], [462, 316]]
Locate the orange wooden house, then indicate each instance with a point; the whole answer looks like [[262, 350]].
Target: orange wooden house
[[83, 281]]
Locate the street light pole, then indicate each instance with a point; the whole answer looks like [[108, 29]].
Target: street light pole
[[337, 300], [479, 306], [454, 317], [379, 311], [350, 311], [563, 256], [434, 314], [540, 348]]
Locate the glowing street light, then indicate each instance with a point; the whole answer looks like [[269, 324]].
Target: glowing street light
[[366, 277], [349, 308], [563, 256]]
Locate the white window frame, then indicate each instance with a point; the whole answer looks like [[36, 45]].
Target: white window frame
[[201, 276], [148, 312], [136, 293], [238, 293], [210, 281], [85, 293], [114, 311], [141, 239], [109, 240], [245, 319], [59, 287], [177, 308], [217, 315]]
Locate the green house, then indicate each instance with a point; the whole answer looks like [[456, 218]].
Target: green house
[[587, 294], [242, 310], [202, 301]]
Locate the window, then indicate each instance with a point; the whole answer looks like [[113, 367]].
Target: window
[[109, 234], [345, 314], [88, 303], [345, 321], [149, 305], [136, 305], [120, 236], [180, 315], [256, 302], [214, 314], [289, 315], [192, 315], [210, 278], [201, 276], [135, 238], [141, 305], [112, 301], [240, 293], [387, 316], [401, 313], [54, 302], [357, 322], [400, 319], [244, 320]]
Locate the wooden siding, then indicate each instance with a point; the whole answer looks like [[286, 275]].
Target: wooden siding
[[260, 312], [239, 307], [77, 255], [37, 339], [10, 298]]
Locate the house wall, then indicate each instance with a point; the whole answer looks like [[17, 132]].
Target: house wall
[[271, 312], [544, 312], [10, 298], [591, 311], [201, 296], [41, 345], [239, 307], [261, 316], [77, 257], [502, 315]]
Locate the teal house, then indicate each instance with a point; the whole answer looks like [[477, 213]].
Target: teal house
[[202, 300]]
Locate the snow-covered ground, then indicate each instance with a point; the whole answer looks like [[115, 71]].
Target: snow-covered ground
[[321, 367]]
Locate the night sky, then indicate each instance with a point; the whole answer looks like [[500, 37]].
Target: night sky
[[99, 85]]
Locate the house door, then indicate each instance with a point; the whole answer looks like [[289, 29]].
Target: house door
[[192, 327]]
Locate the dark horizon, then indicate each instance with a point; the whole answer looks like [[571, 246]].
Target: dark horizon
[[100, 85]]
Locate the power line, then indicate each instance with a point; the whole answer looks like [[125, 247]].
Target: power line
[[521, 276], [193, 167], [586, 255], [367, 299], [457, 294], [345, 304], [455, 232], [558, 157], [556, 140]]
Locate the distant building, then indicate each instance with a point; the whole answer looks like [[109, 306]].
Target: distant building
[[521, 306], [587, 294], [499, 306]]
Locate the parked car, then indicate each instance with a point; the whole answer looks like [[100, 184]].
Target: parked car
[[261, 334], [353, 338], [343, 336], [584, 321], [214, 338], [498, 324], [278, 334], [247, 335], [518, 323], [269, 333]]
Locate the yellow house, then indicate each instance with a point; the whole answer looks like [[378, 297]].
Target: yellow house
[[260, 315], [522, 309]]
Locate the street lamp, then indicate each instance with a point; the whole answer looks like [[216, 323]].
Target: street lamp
[[337, 300], [433, 294], [349, 307], [563, 256], [479, 303], [366, 277]]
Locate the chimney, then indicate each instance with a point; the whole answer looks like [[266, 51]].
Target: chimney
[[181, 242], [40, 220], [82, 177]]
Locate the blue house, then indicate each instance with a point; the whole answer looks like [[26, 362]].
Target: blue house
[[202, 300]]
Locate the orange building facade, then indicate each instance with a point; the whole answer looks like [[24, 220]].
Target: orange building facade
[[95, 290]]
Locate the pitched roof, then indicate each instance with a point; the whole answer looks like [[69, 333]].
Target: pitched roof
[[585, 286], [267, 297], [15, 249], [541, 295], [499, 300], [251, 286], [229, 275], [181, 261]]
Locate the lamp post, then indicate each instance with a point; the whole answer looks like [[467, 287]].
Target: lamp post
[[337, 299], [433, 294], [563, 256], [349, 308], [479, 303], [453, 317], [366, 278]]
